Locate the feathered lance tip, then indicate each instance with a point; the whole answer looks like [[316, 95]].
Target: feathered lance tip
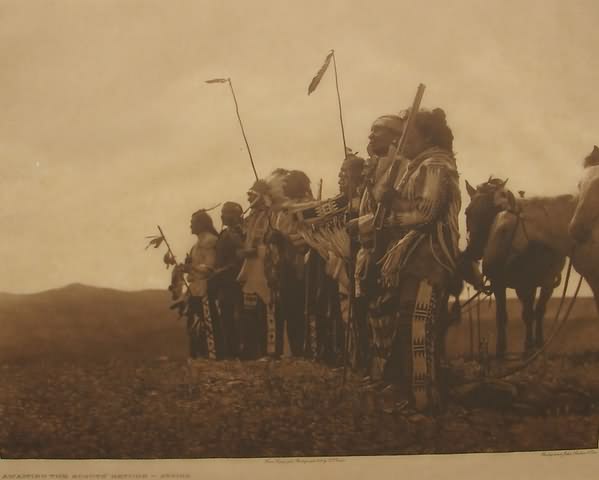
[[318, 77], [156, 241], [217, 80]]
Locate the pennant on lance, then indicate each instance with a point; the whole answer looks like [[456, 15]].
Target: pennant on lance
[[318, 77]]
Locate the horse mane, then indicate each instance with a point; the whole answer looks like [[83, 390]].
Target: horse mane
[[494, 184], [540, 200], [490, 185]]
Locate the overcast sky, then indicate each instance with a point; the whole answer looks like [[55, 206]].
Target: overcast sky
[[108, 129]]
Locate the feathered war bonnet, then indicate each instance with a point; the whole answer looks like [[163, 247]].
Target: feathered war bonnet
[[281, 186]]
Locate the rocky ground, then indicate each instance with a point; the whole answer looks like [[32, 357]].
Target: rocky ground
[[166, 408]]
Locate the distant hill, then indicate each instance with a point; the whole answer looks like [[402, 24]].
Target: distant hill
[[78, 322], [81, 321]]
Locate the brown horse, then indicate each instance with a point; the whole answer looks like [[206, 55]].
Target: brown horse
[[566, 224], [524, 271]]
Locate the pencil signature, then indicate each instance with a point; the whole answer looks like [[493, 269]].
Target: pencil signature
[[305, 460], [561, 453]]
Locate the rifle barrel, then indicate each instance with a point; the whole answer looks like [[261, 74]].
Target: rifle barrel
[[382, 207], [410, 120]]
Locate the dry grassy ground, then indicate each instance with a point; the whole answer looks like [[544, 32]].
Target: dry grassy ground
[[89, 382], [165, 409]]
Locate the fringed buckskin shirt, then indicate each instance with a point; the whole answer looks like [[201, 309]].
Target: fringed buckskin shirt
[[424, 213]]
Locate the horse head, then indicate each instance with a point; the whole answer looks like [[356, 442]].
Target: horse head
[[506, 240], [486, 201], [506, 237]]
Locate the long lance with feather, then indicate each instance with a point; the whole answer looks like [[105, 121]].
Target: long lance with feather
[[228, 80], [157, 240], [313, 84], [316, 81]]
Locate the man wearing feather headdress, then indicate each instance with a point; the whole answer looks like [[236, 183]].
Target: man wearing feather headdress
[[414, 275], [272, 272], [321, 224], [336, 292]]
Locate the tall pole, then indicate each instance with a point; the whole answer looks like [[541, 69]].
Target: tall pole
[[315, 81], [478, 323], [350, 268], [242, 129], [352, 283], [228, 80], [339, 103], [471, 329]]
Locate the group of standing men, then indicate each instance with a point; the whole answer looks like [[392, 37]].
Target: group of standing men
[[320, 278]]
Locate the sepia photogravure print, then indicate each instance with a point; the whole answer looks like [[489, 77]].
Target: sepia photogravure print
[[293, 238]]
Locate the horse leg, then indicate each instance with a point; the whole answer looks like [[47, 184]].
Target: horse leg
[[501, 320], [527, 298], [593, 281], [541, 307]]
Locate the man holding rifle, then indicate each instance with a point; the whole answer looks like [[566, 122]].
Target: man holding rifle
[[406, 266]]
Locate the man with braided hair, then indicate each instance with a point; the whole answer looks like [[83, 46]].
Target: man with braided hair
[[416, 271], [228, 263], [202, 321]]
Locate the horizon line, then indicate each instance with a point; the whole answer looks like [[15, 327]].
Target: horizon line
[[86, 285], [463, 296]]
